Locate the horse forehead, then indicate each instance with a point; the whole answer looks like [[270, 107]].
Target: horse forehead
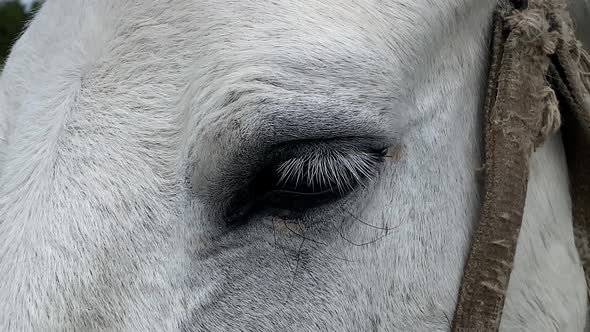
[[270, 32], [209, 49], [222, 38], [151, 42]]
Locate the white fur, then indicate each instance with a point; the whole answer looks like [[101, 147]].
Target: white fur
[[127, 125]]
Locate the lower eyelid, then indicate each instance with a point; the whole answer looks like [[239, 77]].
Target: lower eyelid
[[305, 194], [291, 200]]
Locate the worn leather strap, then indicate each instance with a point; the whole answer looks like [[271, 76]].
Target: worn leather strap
[[537, 75]]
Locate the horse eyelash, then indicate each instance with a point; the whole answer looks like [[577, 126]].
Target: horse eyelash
[[334, 169]]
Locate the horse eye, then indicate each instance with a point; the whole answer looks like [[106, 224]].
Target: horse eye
[[317, 178], [305, 175]]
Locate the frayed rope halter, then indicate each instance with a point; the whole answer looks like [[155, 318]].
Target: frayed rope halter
[[539, 82]]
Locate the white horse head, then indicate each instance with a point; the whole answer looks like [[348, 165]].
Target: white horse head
[[260, 165]]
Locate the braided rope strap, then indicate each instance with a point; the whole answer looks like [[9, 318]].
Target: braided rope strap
[[538, 77]]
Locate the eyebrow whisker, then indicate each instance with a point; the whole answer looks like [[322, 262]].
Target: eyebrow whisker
[[281, 247], [386, 229], [296, 266], [358, 244], [303, 235]]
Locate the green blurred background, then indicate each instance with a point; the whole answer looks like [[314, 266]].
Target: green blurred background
[[14, 16]]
